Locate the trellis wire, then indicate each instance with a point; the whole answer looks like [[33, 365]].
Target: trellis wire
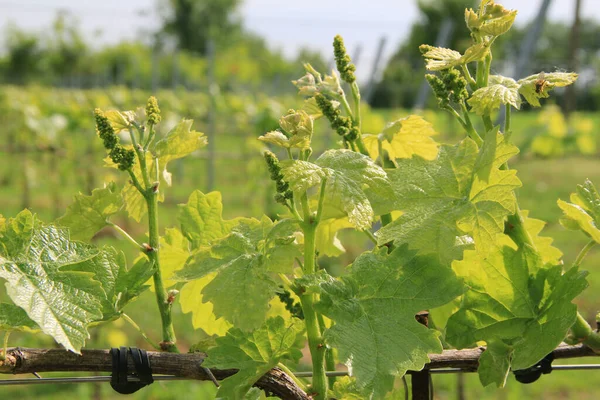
[[87, 379]]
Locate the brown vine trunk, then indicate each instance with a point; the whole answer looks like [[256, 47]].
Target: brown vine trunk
[[276, 382], [23, 360]]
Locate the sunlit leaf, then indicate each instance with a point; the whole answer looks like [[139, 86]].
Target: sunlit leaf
[[88, 214], [253, 354]]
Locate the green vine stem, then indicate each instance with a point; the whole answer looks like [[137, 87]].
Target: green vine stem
[[468, 125], [5, 345], [468, 77], [380, 151], [370, 235], [344, 101], [356, 98], [313, 329], [583, 253], [487, 123], [507, 121], [126, 235], [150, 137], [361, 146], [135, 182], [329, 356], [164, 307], [140, 331], [289, 373], [321, 201], [582, 332]]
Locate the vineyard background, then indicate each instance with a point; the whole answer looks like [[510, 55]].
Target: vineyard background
[[50, 153]]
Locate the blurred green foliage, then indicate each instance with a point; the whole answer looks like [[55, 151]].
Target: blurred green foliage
[[403, 74]]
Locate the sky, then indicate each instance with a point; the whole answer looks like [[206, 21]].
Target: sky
[[286, 25]]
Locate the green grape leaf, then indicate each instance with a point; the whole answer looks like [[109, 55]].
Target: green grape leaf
[[253, 354], [88, 214], [178, 143], [514, 299], [326, 238], [203, 317], [202, 223], [440, 58], [382, 294], [298, 126], [549, 253], [247, 262], [538, 86], [311, 107], [54, 279], [174, 253], [311, 283], [477, 52], [460, 197], [201, 218], [404, 138], [499, 25], [13, 318], [501, 90], [583, 213], [118, 120], [132, 282], [345, 388], [109, 268], [347, 173], [494, 363], [279, 139], [491, 19]]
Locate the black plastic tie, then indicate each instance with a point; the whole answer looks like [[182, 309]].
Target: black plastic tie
[[120, 375], [533, 373]]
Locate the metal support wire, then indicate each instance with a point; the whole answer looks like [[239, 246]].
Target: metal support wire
[[81, 379], [85, 379]]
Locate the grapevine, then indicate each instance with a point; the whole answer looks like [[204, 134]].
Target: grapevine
[[447, 230]]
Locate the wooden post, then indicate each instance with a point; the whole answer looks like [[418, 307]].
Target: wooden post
[[374, 69], [443, 39], [570, 94], [528, 46], [211, 80], [421, 380]]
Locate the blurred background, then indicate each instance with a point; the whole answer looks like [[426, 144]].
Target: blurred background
[[228, 64]]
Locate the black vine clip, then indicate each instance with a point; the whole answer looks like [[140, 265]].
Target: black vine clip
[[533, 373], [120, 377]]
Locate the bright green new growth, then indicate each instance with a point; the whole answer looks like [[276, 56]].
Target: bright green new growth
[[583, 213], [519, 301], [373, 309], [345, 174], [515, 302], [247, 262], [451, 233], [88, 214], [455, 201], [254, 354]]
